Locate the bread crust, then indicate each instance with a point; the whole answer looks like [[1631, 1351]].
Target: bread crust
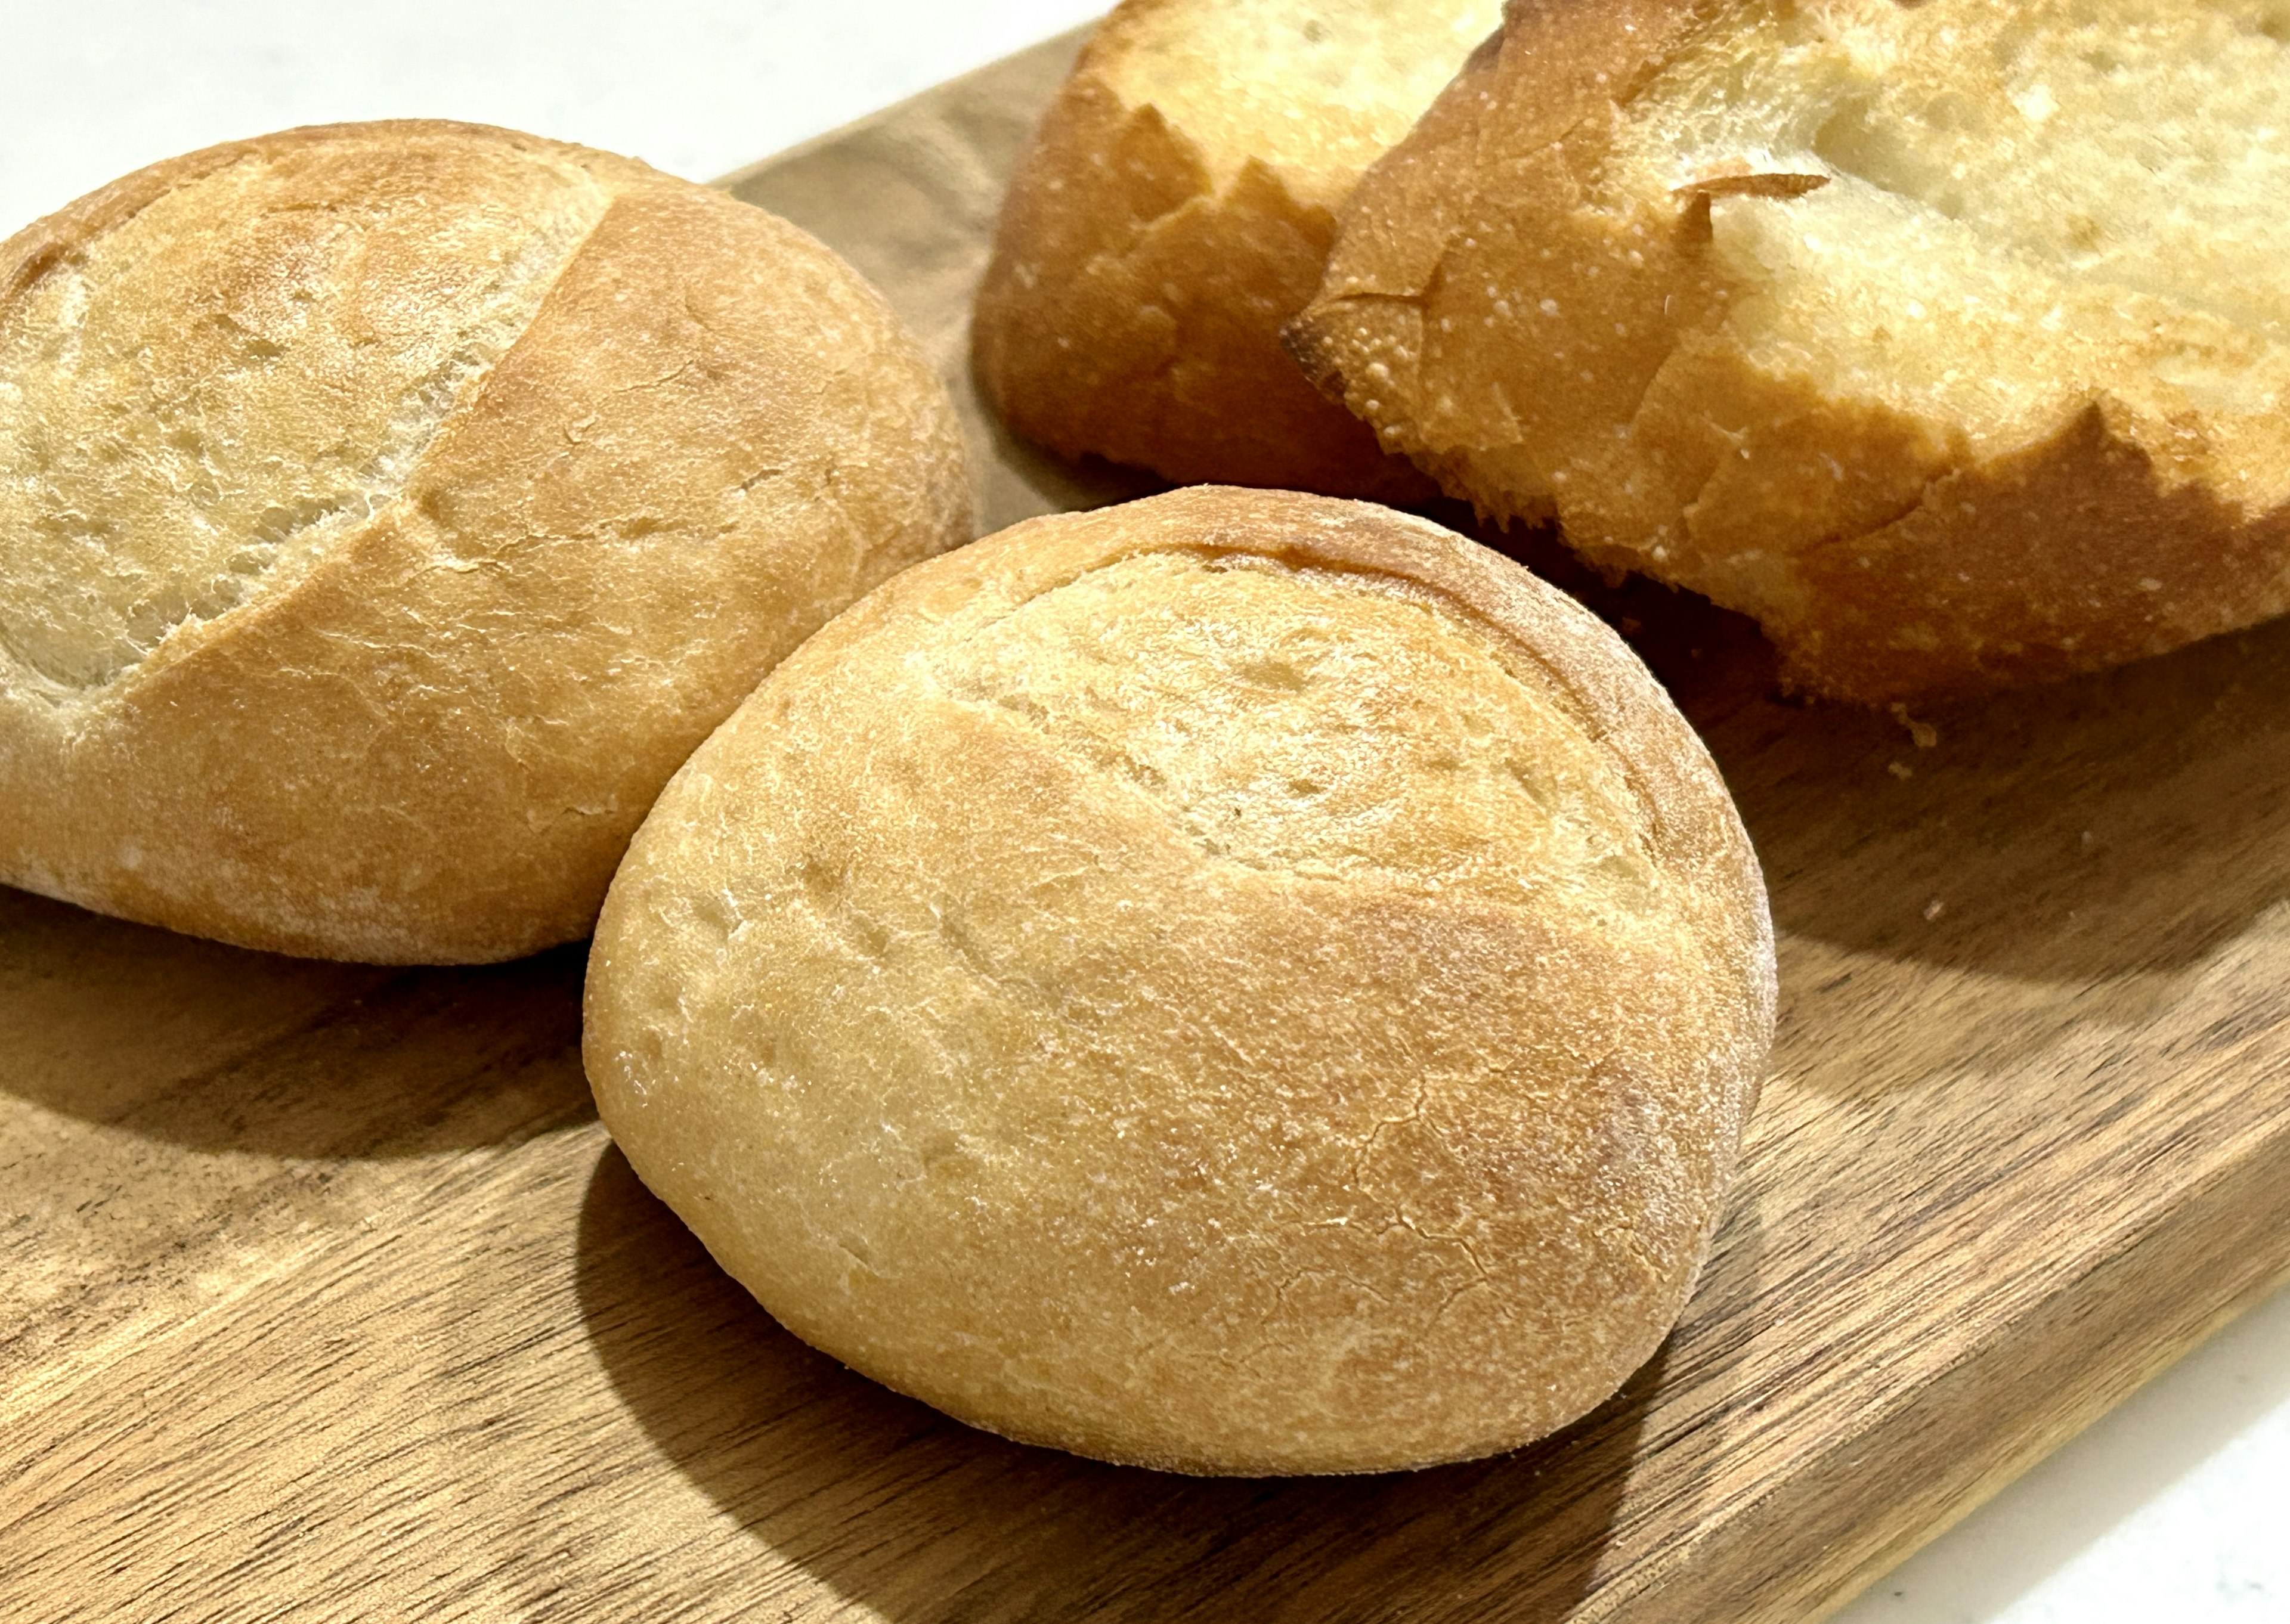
[[1010, 1066], [1133, 304], [429, 740], [1886, 555]]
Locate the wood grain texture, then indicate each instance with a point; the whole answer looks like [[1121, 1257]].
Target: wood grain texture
[[322, 1296]]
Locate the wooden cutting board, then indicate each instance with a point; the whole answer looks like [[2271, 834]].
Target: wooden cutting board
[[323, 1295]]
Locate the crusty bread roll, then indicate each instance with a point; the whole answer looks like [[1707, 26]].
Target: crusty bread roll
[[386, 511], [1174, 209], [1945, 340], [1236, 982]]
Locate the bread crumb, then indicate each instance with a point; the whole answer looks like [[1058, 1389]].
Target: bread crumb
[[1926, 735], [1934, 910]]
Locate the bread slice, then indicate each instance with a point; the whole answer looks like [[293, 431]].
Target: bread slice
[[1948, 340], [1174, 211]]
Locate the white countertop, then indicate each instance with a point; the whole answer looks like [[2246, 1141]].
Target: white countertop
[[2175, 1508]]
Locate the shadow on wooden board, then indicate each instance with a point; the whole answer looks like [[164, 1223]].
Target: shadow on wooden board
[[2124, 824], [889, 1504], [2127, 824], [193, 1043]]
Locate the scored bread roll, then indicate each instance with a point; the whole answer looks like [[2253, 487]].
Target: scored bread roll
[[1948, 340], [1174, 209], [386, 510], [1237, 982]]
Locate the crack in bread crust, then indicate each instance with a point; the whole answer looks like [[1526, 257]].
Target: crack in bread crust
[[1571, 823], [187, 426]]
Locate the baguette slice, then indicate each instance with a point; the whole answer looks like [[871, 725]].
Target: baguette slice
[[1175, 210], [1946, 341]]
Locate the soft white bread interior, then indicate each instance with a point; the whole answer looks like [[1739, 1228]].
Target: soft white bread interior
[[387, 510], [1947, 340], [1236, 982], [1174, 211]]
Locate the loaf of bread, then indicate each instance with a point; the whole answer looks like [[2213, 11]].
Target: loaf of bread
[[1176, 209], [387, 510], [1945, 340], [1236, 982]]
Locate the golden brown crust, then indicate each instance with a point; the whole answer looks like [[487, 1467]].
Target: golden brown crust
[[429, 739], [1548, 348], [1133, 304], [43, 245], [1234, 982]]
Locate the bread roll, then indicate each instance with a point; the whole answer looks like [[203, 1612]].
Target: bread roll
[[386, 510], [1237, 982], [1174, 211], [1945, 340]]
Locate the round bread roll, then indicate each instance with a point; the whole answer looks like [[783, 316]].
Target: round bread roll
[[1949, 340], [1176, 209], [387, 510], [1238, 982]]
